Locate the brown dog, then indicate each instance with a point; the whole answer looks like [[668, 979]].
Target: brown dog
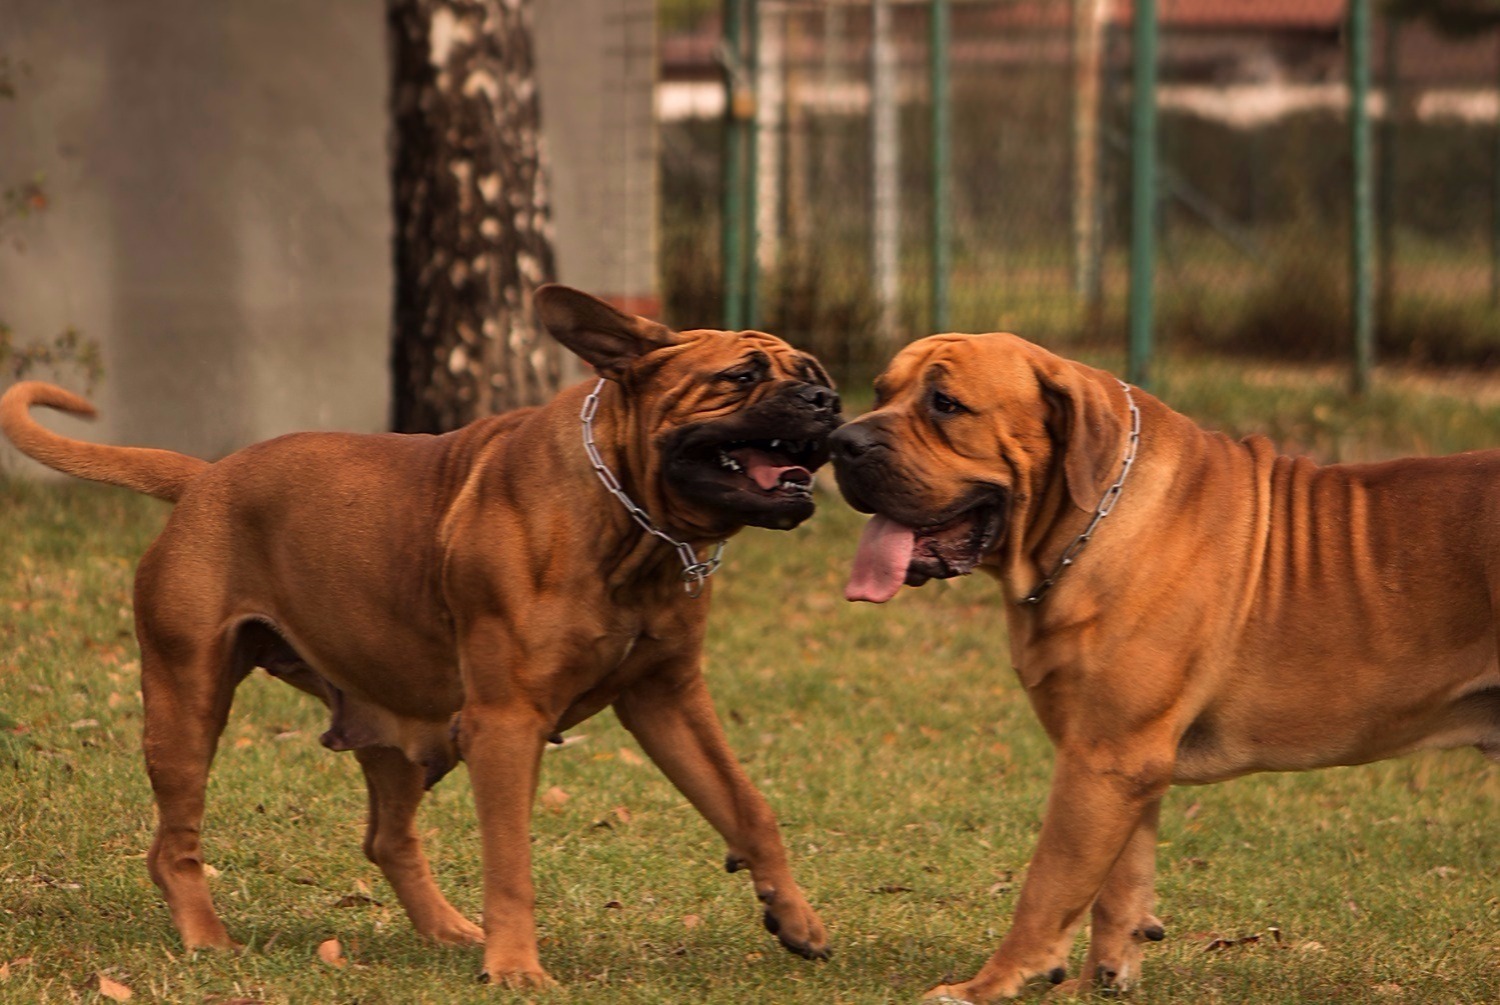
[[469, 596], [1233, 611]]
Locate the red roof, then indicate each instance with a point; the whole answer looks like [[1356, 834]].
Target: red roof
[[1230, 14], [1243, 13]]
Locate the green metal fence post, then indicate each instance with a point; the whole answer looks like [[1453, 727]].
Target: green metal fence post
[[1143, 193], [1495, 210], [1385, 170], [1362, 230], [942, 235], [750, 313]]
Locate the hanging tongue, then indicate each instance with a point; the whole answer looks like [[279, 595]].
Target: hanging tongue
[[880, 564], [767, 469]]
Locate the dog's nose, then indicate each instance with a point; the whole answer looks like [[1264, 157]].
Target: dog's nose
[[850, 441], [824, 399]]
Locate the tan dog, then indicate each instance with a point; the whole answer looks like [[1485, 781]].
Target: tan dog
[[469, 596], [1236, 610]]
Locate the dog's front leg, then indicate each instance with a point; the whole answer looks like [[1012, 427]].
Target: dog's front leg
[[674, 720], [1100, 797], [501, 738], [1122, 920]]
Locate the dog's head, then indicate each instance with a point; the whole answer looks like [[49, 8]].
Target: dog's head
[[968, 434], [733, 423]]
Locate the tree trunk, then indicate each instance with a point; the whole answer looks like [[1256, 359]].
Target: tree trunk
[[472, 220]]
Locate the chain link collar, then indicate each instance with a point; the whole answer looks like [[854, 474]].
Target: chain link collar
[[694, 572], [1111, 496]]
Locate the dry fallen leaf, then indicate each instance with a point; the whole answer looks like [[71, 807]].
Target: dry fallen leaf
[[331, 953], [1223, 943], [631, 757], [114, 990], [622, 814], [555, 799], [691, 921], [4, 971]]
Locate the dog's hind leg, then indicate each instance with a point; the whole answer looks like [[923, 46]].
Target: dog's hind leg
[[391, 842], [186, 696]]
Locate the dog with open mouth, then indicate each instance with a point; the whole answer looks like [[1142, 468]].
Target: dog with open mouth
[[470, 596], [1182, 607]]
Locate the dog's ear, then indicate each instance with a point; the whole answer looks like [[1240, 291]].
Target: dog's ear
[[605, 337], [1085, 422]]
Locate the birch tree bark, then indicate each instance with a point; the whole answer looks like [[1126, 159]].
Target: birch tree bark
[[472, 219]]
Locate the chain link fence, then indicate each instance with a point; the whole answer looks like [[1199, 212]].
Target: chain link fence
[[1254, 180]]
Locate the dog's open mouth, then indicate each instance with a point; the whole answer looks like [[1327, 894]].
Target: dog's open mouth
[[891, 554], [777, 469], [760, 480]]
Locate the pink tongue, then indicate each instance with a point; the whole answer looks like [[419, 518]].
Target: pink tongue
[[762, 467], [880, 564]]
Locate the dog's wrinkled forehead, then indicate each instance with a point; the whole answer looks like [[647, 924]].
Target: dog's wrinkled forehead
[[997, 364], [760, 354]]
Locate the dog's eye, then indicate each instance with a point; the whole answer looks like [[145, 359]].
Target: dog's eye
[[945, 404], [742, 378]]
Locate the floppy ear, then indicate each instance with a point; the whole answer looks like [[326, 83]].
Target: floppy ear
[[1085, 421], [606, 338]]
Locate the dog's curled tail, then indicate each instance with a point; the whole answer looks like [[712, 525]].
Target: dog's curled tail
[[160, 473]]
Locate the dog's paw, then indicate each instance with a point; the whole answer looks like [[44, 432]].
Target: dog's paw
[[946, 993], [527, 979], [1070, 989], [1115, 973], [797, 927], [978, 991], [457, 931], [213, 940], [1150, 929]]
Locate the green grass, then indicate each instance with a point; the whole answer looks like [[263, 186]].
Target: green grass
[[894, 742]]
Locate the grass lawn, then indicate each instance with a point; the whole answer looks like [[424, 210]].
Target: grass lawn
[[894, 742]]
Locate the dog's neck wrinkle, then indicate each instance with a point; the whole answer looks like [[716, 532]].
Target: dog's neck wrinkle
[[1058, 522], [632, 559], [1052, 525]]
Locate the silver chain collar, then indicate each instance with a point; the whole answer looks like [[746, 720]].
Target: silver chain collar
[[1111, 496], [694, 572]]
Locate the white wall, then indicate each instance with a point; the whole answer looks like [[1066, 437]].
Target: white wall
[[220, 216]]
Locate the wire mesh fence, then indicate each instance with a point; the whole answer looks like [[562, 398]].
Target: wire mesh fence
[[1254, 191]]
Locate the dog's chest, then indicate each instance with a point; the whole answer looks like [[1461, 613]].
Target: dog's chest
[[615, 663]]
